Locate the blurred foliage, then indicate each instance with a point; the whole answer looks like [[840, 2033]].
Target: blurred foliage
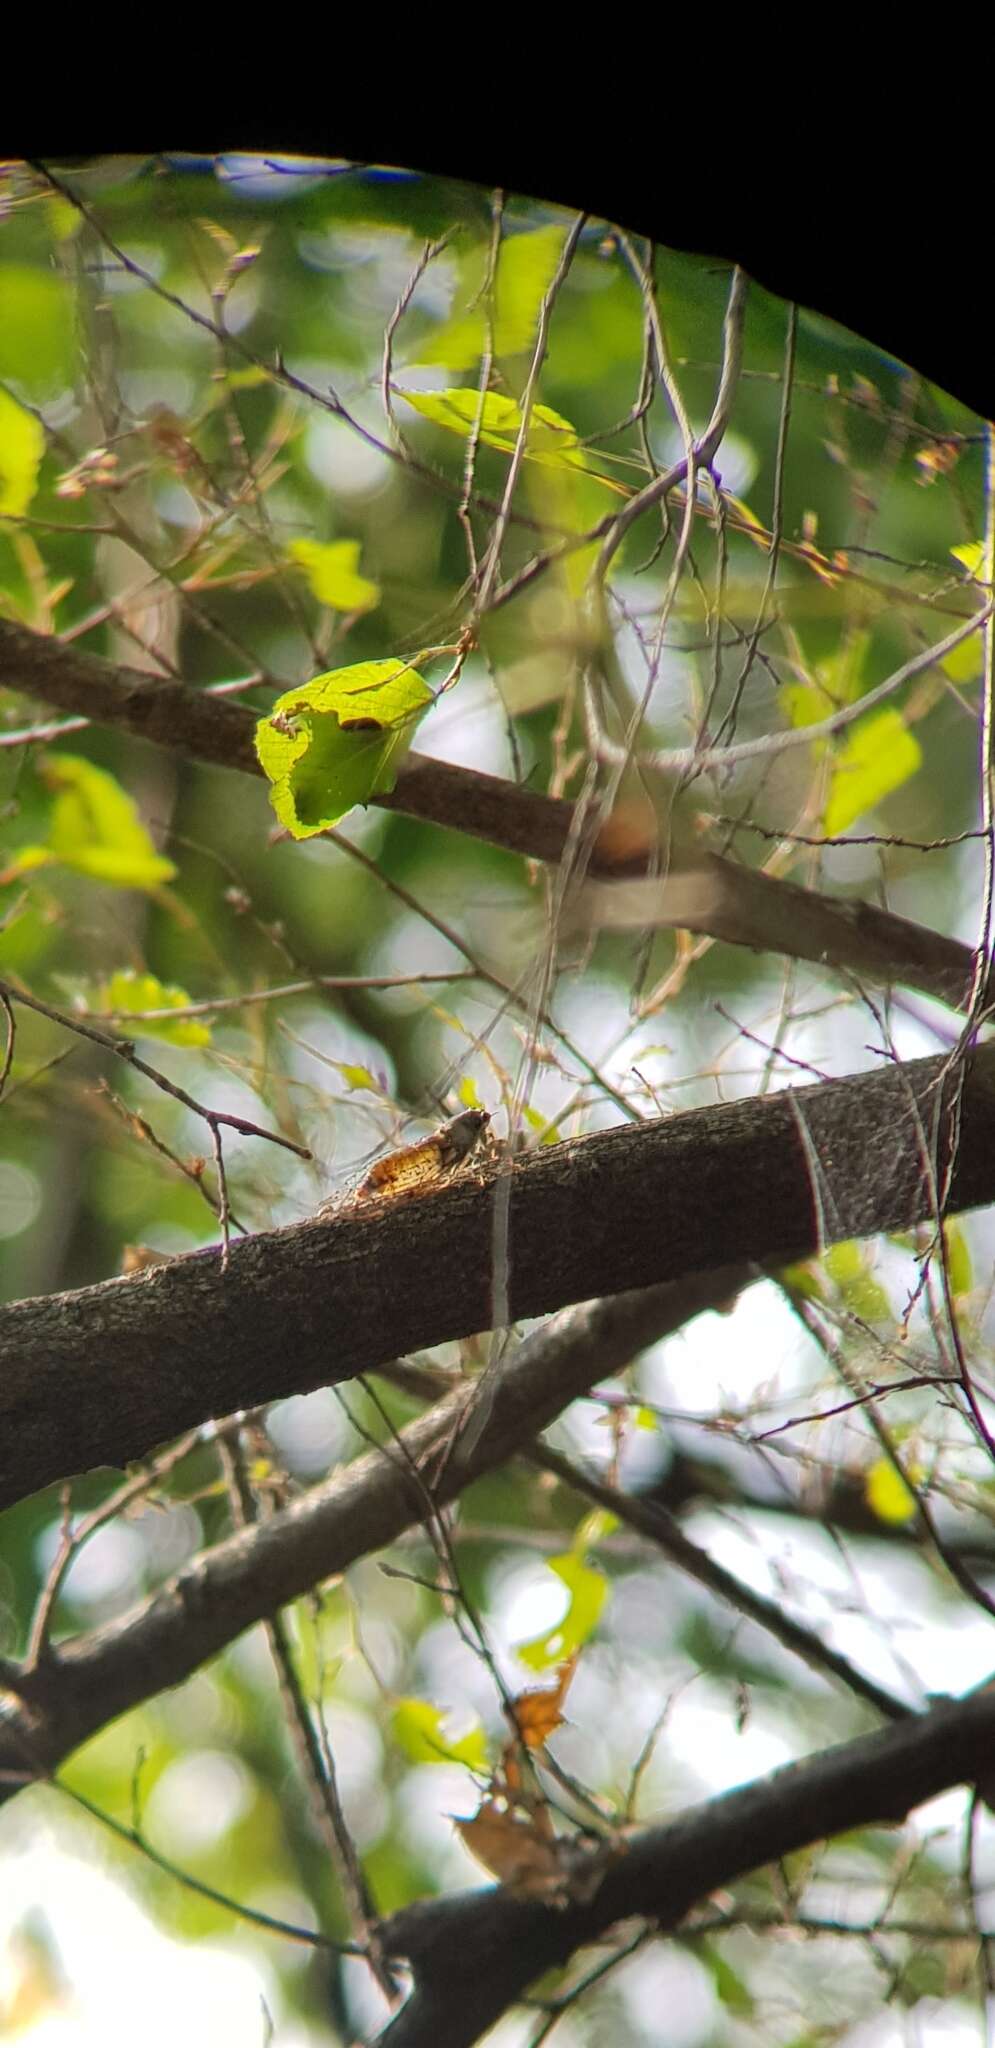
[[232, 451]]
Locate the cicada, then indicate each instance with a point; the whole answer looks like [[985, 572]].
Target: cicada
[[414, 1166]]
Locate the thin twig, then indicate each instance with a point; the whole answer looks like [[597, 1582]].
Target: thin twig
[[124, 1050]]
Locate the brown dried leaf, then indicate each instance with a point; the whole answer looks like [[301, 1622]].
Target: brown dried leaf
[[537, 1712]]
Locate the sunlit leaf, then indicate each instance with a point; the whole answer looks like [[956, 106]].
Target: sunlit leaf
[[247, 378], [847, 1266], [38, 345], [548, 1130], [588, 1590], [525, 268], [356, 1076], [127, 992], [964, 663], [960, 1270], [886, 1493], [805, 1279], [332, 572], [335, 741], [420, 1730], [804, 703], [878, 755], [64, 219], [971, 554], [550, 439], [95, 828], [22, 445], [592, 1529], [468, 1093]]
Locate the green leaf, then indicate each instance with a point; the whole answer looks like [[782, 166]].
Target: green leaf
[[588, 1590], [805, 703], [804, 1279], [730, 1987], [879, 754], [356, 1077], [526, 266], [419, 1728], [127, 992], [592, 1528], [468, 1094], [886, 1493], [333, 742], [971, 554], [551, 440], [847, 1267], [94, 827], [837, 681], [38, 346], [332, 572], [964, 663], [549, 1132], [22, 445], [960, 1271]]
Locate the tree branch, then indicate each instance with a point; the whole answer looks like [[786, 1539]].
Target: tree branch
[[703, 892], [476, 1953], [78, 1686], [98, 1375]]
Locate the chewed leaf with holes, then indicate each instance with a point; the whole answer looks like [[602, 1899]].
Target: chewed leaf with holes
[[337, 740]]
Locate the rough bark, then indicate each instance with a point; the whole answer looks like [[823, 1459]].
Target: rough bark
[[99, 1375]]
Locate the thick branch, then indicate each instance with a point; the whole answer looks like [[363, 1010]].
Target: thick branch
[[80, 1686], [704, 893], [98, 1375], [475, 1953]]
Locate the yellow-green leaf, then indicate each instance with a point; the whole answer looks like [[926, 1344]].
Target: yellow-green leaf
[[468, 1094], [804, 1279], [960, 1270], [335, 741], [64, 219], [525, 268], [94, 827], [548, 1132], [971, 554], [38, 342], [128, 992], [550, 439], [333, 573], [22, 445], [591, 1529], [847, 1266], [419, 1728], [356, 1076], [588, 1590], [886, 1493], [964, 663], [879, 754], [804, 703]]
